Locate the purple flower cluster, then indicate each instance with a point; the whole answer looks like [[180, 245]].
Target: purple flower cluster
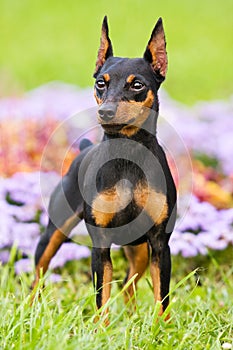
[[203, 227], [24, 217], [53, 99], [205, 128], [20, 204]]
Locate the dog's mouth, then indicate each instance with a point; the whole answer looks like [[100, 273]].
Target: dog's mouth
[[113, 128]]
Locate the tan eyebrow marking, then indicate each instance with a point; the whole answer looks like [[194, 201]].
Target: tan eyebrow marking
[[106, 77], [130, 78]]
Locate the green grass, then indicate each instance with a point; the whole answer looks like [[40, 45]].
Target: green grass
[[201, 313], [44, 40]]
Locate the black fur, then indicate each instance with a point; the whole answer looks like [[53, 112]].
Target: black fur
[[73, 194]]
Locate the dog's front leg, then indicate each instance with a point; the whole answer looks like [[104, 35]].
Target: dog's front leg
[[160, 267], [102, 277]]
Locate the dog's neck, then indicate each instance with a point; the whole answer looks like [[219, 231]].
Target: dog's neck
[[145, 134]]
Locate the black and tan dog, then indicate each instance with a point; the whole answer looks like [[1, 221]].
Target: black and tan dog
[[122, 187]]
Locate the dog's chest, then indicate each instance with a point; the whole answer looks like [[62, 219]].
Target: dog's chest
[[122, 203]]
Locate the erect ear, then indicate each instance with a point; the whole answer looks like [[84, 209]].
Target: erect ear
[[155, 52], [105, 49]]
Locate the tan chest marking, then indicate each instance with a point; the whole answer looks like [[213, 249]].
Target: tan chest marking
[[154, 203], [109, 202]]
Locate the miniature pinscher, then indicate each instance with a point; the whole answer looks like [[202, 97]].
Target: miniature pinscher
[[122, 187]]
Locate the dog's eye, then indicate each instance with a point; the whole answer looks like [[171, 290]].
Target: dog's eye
[[137, 85], [100, 84]]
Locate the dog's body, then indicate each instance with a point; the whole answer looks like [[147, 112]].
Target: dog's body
[[122, 187]]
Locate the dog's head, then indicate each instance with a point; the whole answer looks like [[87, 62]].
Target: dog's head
[[126, 89]]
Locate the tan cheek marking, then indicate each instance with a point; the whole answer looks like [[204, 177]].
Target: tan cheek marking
[[153, 202], [106, 77], [148, 102], [98, 100], [130, 78], [132, 108], [149, 99]]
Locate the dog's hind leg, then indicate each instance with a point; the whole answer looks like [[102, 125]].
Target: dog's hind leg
[[65, 211], [49, 244], [138, 257]]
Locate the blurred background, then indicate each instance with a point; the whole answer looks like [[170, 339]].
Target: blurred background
[[44, 41], [47, 40]]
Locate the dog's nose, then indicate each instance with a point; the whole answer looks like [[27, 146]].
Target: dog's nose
[[107, 111]]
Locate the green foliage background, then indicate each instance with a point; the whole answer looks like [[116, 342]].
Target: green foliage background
[[44, 40]]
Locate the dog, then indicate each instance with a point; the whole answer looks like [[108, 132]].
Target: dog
[[122, 187]]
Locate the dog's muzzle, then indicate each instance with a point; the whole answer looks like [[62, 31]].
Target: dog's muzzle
[[107, 111]]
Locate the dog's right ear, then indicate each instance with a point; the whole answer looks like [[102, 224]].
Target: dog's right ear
[[105, 49]]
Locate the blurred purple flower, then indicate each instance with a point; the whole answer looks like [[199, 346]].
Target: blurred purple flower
[[43, 102], [17, 221], [55, 278], [17, 186], [68, 252], [44, 219], [23, 265], [4, 256], [6, 224], [205, 128], [202, 228], [24, 236]]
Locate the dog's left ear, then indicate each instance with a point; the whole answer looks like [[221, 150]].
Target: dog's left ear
[[155, 52], [105, 49]]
